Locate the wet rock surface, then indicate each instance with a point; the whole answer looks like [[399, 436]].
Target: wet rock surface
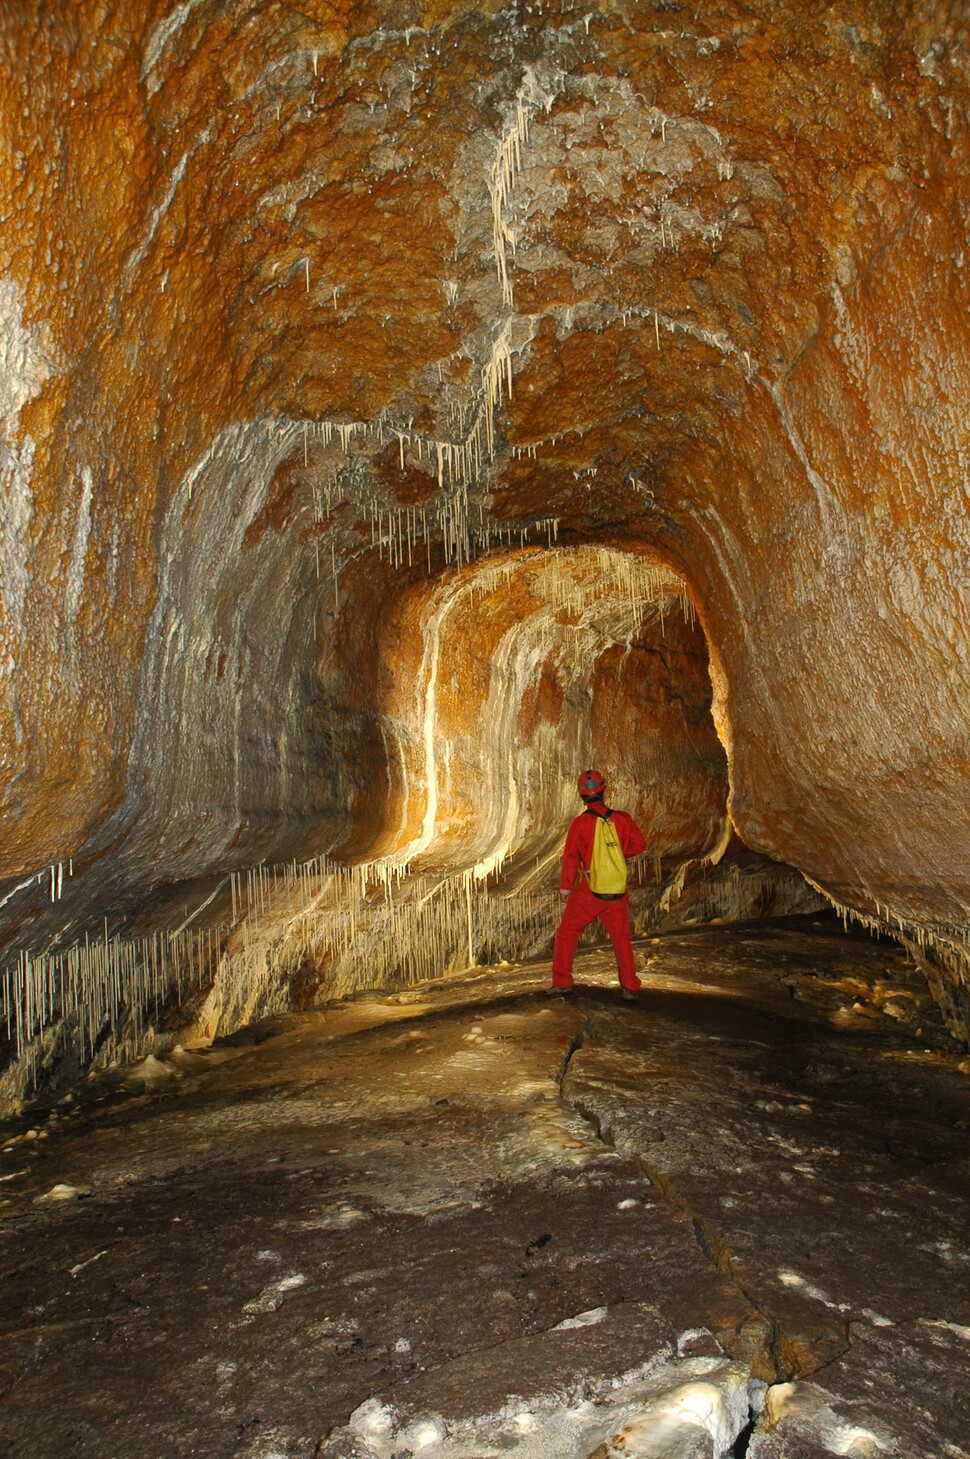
[[900, 1390], [305, 306], [468, 1219]]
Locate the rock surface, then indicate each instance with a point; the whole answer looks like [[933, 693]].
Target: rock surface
[[287, 291], [470, 1220], [898, 1390]]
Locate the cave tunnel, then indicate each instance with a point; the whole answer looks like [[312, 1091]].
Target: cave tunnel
[[404, 409]]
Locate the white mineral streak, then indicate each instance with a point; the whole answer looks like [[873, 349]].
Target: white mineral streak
[[429, 674], [21, 886], [159, 211], [849, 341], [74, 590], [16, 511], [833, 519], [162, 33], [26, 362], [26, 354], [515, 663]]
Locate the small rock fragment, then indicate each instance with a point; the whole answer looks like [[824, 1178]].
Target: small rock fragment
[[63, 1192]]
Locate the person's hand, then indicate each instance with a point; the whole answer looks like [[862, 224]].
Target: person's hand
[[564, 893]]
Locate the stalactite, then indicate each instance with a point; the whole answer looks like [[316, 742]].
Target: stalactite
[[375, 924], [506, 165], [931, 947], [365, 925]]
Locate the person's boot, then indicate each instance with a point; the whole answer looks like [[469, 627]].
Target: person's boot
[[555, 992], [629, 995]]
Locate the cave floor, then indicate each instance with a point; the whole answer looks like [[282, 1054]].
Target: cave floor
[[468, 1219]]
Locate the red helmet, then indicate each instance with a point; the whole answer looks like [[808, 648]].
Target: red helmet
[[591, 784]]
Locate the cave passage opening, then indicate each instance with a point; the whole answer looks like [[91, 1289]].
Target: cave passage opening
[[490, 687], [495, 684], [500, 682]]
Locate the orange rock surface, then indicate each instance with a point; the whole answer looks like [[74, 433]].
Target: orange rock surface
[[303, 305]]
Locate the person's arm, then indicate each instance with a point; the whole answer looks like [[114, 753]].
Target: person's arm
[[571, 857], [631, 837]]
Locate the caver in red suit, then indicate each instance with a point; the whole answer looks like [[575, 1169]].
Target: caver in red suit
[[582, 905]]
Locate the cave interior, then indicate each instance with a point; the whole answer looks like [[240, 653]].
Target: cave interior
[[402, 408]]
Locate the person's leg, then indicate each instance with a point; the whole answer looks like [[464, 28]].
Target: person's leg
[[579, 912], [615, 917]]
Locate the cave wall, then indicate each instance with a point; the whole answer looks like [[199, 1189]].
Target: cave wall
[[502, 680], [287, 288], [485, 688]]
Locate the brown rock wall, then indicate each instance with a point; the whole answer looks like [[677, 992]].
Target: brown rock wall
[[717, 261]]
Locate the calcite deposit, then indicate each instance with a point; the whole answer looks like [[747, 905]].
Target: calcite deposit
[[403, 401]]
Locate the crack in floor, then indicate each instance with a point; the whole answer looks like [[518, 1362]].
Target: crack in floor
[[775, 1358], [579, 1038], [545, 1125]]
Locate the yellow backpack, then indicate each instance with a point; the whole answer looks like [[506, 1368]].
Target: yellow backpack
[[607, 871]]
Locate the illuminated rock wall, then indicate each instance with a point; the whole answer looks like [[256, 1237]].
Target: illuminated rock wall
[[525, 671], [299, 302]]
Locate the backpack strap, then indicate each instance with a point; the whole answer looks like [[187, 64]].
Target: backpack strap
[[585, 870]]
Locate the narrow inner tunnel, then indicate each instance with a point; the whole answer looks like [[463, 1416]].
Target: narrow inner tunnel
[[405, 411]]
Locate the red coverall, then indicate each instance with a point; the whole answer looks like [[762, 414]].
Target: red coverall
[[583, 907]]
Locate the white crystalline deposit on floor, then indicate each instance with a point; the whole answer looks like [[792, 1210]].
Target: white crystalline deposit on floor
[[510, 1025], [803, 1411], [548, 1134], [271, 1297], [958, 1328], [690, 1410], [62, 1192], [582, 1319]]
